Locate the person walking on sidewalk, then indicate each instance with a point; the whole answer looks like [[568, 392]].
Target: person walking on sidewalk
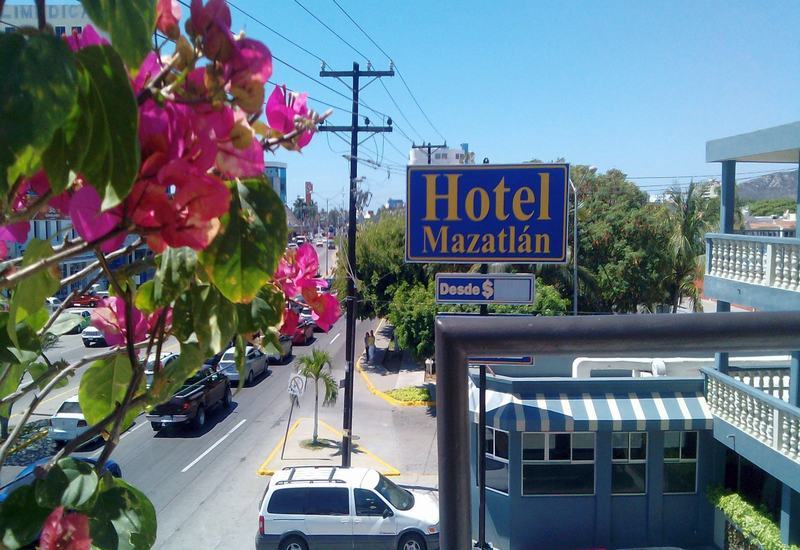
[[371, 344], [366, 344]]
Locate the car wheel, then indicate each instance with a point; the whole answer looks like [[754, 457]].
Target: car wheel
[[411, 541], [199, 419], [249, 380], [226, 399], [156, 426], [293, 543], [92, 304], [86, 344], [288, 356]]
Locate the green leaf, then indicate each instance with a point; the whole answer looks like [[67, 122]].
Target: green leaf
[[103, 386], [145, 299], [129, 22], [65, 323], [37, 93], [245, 254], [175, 273], [265, 311], [29, 296], [112, 160], [38, 369], [167, 380], [205, 311], [21, 518], [10, 384], [70, 483], [123, 518]]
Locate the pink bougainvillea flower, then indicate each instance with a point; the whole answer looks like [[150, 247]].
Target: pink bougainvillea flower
[[212, 22], [16, 232], [282, 109], [324, 307], [89, 37], [109, 318], [241, 154], [3, 250], [152, 320], [150, 67], [65, 531], [182, 203], [297, 270], [91, 223], [290, 321], [37, 186], [168, 15], [248, 71]]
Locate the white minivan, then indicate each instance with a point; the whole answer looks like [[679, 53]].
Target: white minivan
[[310, 507]]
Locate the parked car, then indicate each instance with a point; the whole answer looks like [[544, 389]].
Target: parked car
[[304, 333], [255, 365], [300, 239], [92, 336], [358, 507], [320, 242], [282, 355], [68, 422], [86, 318], [331, 244], [53, 304], [150, 366], [27, 475], [206, 389], [291, 246], [90, 299]]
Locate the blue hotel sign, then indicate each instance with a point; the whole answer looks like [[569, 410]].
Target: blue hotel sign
[[487, 213]]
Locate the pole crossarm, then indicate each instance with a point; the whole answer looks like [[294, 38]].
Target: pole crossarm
[[373, 129], [360, 73]]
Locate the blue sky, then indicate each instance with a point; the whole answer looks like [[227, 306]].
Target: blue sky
[[639, 86]]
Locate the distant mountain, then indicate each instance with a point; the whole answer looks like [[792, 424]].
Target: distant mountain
[[778, 185]]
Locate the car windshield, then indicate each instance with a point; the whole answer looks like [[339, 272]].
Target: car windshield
[[399, 497], [70, 407]]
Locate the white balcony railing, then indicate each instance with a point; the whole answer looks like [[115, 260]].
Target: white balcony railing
[[766, 418], [768, 261], [774, 381]]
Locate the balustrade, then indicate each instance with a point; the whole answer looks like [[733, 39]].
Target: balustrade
[[769, 261]]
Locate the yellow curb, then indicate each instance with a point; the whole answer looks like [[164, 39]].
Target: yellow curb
[[262, 470], [385, 396], [25, 444], [390, 470]]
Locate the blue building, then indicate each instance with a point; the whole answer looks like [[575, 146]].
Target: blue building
[[621, 461], [275, 172]]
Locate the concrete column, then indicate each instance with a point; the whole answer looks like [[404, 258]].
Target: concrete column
[[790, 516], [655, 487], [602, 472], [794, 379], [727, 196]]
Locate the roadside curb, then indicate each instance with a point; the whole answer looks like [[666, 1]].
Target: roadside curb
[[41, 434], [386, 397]]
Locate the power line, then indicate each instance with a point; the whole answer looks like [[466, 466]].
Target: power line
[[402, 114], [399, 73], [321, 22]]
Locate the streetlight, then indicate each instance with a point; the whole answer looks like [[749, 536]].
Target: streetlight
[[590, 170]]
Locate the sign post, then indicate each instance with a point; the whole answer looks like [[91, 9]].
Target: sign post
[[297, 385]]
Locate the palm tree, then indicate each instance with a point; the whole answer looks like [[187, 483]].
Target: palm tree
[[686, 247], [313, 367]]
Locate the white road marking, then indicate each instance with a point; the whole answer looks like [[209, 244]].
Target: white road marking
[[335, 337], [214, 446], [123, 436]]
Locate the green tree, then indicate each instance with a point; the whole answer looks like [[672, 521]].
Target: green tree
[[772, 207], [306, 213], [687, 226], [317, 367]]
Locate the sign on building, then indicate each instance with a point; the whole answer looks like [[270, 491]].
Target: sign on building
[[474, 288], [519, 360], [487, 213]]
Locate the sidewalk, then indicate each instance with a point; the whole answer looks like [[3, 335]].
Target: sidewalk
[[389, 371]]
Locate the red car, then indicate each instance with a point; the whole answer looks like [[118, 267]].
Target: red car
[[90, 299], [303, 334]]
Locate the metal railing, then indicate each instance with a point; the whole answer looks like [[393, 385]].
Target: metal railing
[[766, 418], [773, 381], [768, 261]]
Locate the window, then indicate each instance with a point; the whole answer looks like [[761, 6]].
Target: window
[[558, 463], [328, 501], [287, 501], [680, 462], [368, 503], [497, 460], [76, 30], [629, 463], [61, 30]]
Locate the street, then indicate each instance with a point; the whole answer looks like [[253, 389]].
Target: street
[[204, 485]]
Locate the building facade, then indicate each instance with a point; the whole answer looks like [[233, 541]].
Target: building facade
[[584, 453], [433, 154], [65, 18], [275, 172]]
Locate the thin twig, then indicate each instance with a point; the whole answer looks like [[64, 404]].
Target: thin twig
[[113, 280], [27, 414], [270, 143], [65, 304], [147, 91], [31, 210]]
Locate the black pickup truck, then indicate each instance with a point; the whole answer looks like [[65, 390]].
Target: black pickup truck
[[204, 390]]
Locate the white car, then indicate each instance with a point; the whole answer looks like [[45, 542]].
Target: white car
[[92, 336], [150, 366], [255, 365], [305, 506], [53, 304], [68, 422]]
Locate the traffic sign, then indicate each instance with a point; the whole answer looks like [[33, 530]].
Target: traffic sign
[[487, 213], [297, 385], [475, 288]]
